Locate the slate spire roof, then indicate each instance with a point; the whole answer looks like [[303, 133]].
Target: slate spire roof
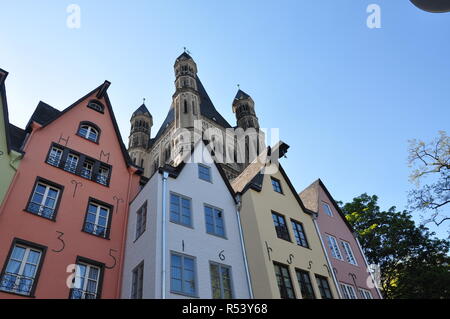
[[184, 56], [241, 95], [141, 111]]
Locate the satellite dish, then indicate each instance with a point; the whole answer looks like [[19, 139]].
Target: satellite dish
[[435, 6]]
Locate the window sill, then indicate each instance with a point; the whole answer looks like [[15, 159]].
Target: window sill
[[98, 236], [184, 225], [86, 139], [34, 214], [183, 294], [16, 294], [218, 236]]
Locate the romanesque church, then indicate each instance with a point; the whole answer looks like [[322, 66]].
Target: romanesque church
[[193, 110]]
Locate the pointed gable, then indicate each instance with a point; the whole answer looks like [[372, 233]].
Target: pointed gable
[[44, 115], [311, 197]]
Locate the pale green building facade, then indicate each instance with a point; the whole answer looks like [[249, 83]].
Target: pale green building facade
[[10, 136]]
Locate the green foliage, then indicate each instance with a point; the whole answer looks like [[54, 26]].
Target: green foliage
[[413, 263]]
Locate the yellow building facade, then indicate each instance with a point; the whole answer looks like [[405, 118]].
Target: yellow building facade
[[285, 255]]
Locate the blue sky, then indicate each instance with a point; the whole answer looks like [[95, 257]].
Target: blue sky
[[346, 98]]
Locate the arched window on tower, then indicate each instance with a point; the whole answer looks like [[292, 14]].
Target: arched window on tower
[[194, 110], [185, 106]]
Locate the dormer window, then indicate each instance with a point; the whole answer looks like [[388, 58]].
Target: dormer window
[[97, 106], [89, 132]]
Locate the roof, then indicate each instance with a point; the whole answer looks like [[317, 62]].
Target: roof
[[253, 176], [141, 110], [17, 137], [241, 95], [45, 114], [310, 197], [184, 56], [207, 109]]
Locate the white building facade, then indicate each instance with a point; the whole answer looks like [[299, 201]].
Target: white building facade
[[183, 237]]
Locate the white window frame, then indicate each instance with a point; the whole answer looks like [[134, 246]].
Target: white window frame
[[89, 129], [42, 205], [71, 158], [328, 211], [23, 263], [349, 253], [97, 217], [334, 247], [88, 166], [103, 173], [86, 279], [348, 291], [55, 153]]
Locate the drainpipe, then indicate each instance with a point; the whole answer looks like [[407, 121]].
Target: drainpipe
[[165, 175], [241, 237], [333, 275], [367, 265]]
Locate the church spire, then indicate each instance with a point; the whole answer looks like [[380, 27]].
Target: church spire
[[244, 108]]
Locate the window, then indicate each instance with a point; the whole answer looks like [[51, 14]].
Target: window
[[180, 210], [138, 282], [21, 272], [44, 199], [332, 243], [88, 279], [299, 234], [280, 226], [220, 281], [304, 280], [98, 219], [348, 291], [327, 209], [79, 164], [204, 172], [276, 184], [89, 132], [182, 275], [214, 221], [324, 287], [71, 163], [284, 281], [141, 220], [55, 156], [365, 294], [349, 253], [97, 106], [103, 175], [87, 169]]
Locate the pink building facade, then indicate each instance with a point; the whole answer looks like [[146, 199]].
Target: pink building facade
[[343, 250], [63, 221]]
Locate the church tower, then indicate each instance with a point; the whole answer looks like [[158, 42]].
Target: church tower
[[141, 124], [186, 99], [244, 108]]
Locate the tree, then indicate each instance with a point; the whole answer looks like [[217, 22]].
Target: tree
[[413, 263], [431, 167]]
